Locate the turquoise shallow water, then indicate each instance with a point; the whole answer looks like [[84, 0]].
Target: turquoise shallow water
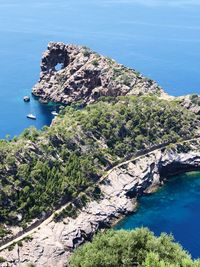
[[175, 208], [160, 38]]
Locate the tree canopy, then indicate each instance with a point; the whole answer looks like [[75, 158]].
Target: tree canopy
[[136, 248], [40, 170]]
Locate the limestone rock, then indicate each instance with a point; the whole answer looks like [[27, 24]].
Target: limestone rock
[[85, 76], [191, 102]]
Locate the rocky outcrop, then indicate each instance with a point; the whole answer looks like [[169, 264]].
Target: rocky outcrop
[[53, 243], [191, 102], [72, 73]]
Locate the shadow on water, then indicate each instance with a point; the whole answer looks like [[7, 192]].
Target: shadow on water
[[44, 111]]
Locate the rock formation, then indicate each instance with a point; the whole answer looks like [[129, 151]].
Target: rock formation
[[72, 73], [53, 243], [191, 102]]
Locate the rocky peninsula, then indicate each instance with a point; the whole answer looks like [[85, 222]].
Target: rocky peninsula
[[71, 73], [119, 137], [84, 76]]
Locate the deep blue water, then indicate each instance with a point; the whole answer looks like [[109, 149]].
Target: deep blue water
[[175, 209], [160, 38]]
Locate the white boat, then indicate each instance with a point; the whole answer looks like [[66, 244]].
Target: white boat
[[54, 113], [31, 116], [26, 98]]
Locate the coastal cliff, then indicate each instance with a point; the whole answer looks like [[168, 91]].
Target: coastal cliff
[[52, 244], [72, 73], [121, 137]]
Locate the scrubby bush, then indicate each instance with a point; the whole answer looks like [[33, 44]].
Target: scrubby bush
[[130, 249]]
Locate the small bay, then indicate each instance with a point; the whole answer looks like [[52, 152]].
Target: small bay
[[172, 209]]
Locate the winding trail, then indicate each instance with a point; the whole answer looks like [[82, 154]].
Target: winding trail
[[51, 217]]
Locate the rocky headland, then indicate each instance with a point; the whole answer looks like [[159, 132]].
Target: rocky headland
[[72, 73], [61, 185]]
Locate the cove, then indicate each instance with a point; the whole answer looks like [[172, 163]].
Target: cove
[[172, 209]]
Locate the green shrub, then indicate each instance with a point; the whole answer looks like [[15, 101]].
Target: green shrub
[[95, 63], [19, 243], [86, 52], [2, 260], [132, 248], [69, 211]]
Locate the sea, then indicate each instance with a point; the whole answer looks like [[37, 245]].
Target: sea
[[159, 38], [174, 209]]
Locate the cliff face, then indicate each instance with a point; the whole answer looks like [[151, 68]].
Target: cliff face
[[72, 73], [53, 242]]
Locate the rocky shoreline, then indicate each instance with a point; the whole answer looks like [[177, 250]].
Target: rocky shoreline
[[73, 74], [52, 245]]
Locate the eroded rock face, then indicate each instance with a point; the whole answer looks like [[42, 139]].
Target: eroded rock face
[[53, 243], [191, 102], [85, 76]]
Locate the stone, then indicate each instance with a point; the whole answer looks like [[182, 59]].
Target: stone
[[86, 78]]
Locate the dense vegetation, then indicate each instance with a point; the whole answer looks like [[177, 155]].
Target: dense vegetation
[[130, 249], [40, 170]]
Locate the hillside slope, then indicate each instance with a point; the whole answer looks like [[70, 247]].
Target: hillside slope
[[40, 170]]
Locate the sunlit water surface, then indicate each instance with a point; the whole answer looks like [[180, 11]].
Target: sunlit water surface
[[159, 38]]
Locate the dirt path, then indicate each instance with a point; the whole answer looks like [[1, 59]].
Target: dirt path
[[51, 217]]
